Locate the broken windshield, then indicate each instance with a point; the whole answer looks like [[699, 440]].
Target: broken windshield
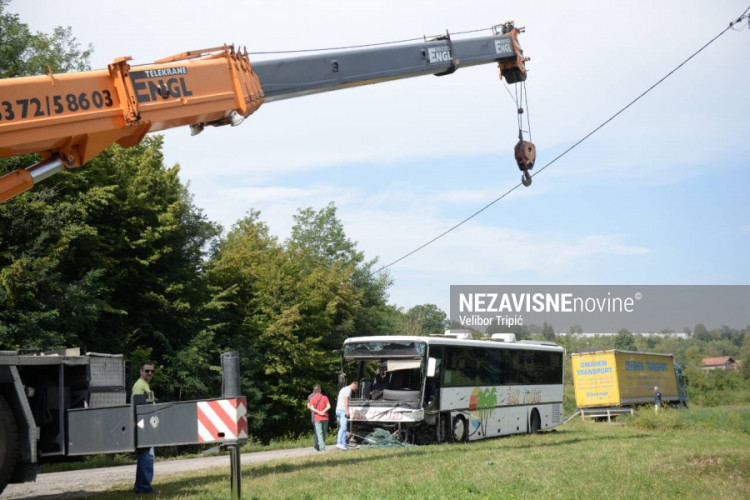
[[380, 350]]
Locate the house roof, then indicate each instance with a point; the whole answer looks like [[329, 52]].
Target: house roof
[[722, 360]]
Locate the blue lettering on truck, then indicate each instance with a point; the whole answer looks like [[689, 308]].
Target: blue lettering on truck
[[598, 367], [597, 394], [594, 371], [639, 366]]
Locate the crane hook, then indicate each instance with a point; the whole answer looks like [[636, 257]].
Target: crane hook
[[526, 178], [525, 153]]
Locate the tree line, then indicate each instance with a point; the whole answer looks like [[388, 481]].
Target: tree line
[[115, 257]]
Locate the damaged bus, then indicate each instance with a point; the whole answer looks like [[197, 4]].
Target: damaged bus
[[452, 388]]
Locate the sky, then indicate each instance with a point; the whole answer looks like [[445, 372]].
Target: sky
[[658, 196]]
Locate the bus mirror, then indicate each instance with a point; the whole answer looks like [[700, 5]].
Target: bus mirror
[[431, 364]]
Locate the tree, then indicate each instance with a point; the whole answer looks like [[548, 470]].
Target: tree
[[548, 332], [288, 308], [25, 274], [425, 319], [29, 284], [110, 258], [23, 53], [319, 236], [744, 356], [236, 268], [624, 341], [700, 332]]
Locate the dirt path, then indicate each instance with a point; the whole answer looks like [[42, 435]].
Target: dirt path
[[88, 482]]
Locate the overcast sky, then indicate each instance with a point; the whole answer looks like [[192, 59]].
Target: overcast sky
[[658, 196]]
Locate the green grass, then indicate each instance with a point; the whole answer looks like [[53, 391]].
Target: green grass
[[699, 453]]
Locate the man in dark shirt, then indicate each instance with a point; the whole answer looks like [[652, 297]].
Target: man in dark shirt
[[657, 399]]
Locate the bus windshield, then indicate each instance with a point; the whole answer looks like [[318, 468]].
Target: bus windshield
[[372, 350]]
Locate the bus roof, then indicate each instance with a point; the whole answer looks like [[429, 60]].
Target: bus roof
[[448, 340]]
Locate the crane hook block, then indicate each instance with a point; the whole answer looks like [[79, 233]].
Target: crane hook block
[[525, 153]]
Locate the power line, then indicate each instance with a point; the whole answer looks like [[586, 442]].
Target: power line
[[606, 122]]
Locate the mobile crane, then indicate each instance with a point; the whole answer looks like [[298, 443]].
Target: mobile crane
[[70, 118], [72, 403]]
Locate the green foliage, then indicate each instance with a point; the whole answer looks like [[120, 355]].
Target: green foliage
[[548, 332], [38, 301], [288, 308], [23, 53], [717, 419], [108, 257], [667, 418], [717, 387], [319, 236], [425, 319], [624, 341]]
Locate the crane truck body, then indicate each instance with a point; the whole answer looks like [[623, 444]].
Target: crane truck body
[[70, 118], [70, 403], [617, 380]]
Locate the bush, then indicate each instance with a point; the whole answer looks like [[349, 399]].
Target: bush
[[723, 419], [667, 419]]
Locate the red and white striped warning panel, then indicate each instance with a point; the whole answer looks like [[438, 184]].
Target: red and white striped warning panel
[[222, 420]]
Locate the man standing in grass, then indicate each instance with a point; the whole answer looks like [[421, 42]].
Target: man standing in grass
[[319, 405], [657, 399], [342, 413], [312, 418], [144, 472]]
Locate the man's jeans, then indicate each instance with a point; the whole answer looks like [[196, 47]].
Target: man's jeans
[[316, 445], [144, 472], [343, 428], [321, 429]]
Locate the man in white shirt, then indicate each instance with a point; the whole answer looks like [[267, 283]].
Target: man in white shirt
[[342, 413]]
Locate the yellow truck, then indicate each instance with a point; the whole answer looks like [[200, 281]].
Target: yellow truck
[[621, 379]]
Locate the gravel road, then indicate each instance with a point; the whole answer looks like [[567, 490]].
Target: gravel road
[[91, 482]]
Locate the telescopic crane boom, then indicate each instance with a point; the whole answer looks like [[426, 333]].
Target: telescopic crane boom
[[70, 118]]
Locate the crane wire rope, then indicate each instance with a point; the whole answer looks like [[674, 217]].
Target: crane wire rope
[[595, 130]]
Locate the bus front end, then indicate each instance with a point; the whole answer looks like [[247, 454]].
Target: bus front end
[[394, 388]]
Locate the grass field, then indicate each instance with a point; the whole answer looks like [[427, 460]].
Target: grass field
[[699, 453]]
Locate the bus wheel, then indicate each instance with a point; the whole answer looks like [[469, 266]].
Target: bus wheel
[[459, 429], [535, 422], [8, 443]]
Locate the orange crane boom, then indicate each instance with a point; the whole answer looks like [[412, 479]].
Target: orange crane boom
[[70, 118]]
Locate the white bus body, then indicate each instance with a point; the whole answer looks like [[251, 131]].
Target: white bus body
[[442, 388]]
